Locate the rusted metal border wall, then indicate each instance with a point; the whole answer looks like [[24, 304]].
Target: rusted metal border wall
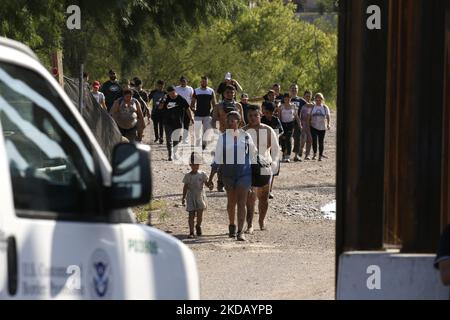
[[445, 203], [361, 115], [414, 112], [393, 167]]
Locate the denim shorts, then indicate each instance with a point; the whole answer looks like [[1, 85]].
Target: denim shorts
[[244, 182]]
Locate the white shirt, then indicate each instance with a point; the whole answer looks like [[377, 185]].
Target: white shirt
[[267, 145], [185, 92], [245, 146], [288, 114], [99, 96], [318, 117]]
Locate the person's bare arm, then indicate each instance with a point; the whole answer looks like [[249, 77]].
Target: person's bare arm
[[213, 100], [328, 118], [298, 119], [141, 121], [308, 120], [189, 114], [210, 182], [444, 268], [215, 116], [237, 84], [274, 144], [193, 103], [277, 111], [241, 112]]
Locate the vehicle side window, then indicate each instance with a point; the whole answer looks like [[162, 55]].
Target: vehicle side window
[[51, 162]]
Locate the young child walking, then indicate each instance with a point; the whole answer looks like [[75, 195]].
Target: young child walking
[[194, 197]]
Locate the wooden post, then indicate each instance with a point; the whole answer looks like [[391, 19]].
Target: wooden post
[[57, 66]]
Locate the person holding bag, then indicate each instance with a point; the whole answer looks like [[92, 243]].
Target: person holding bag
[[233, 156], [266, 161]]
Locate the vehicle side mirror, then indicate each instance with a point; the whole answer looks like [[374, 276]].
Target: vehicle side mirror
[[131, 176]]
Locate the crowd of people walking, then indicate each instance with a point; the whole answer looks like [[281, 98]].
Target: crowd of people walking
[[248, 141]]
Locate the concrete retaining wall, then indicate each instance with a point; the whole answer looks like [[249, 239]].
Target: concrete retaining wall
[[380, 275]]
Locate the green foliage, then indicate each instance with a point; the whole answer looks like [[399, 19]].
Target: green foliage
[[143, 213], [164, 39], [327, 5], [34, 23], [261, 46]]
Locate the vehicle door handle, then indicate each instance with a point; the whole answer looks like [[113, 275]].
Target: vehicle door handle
[[12, 265]]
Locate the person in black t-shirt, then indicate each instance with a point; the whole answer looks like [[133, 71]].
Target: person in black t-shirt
[[442, 261], [157, 97], [175, 108], [203, 102], [299, 103], [111, 89], [275, 123], [143, 96]]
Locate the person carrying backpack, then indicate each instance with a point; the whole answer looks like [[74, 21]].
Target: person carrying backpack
[[268, 150]]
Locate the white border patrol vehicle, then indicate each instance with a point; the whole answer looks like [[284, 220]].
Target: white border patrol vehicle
[[66, 227]]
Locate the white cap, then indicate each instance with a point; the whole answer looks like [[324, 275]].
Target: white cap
[[228, 76]]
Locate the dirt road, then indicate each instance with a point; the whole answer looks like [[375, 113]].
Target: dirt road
[[293, 259]]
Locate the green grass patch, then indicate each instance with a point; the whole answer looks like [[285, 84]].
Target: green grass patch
[[156, 208], [156, 205]]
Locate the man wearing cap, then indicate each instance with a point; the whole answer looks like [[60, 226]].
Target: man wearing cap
[[175, 109], [141, 95], [229, 81], [111, 89], [187, 93], [99, 96]]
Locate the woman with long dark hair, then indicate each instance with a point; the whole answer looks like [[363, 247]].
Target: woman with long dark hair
[[233, 155]]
